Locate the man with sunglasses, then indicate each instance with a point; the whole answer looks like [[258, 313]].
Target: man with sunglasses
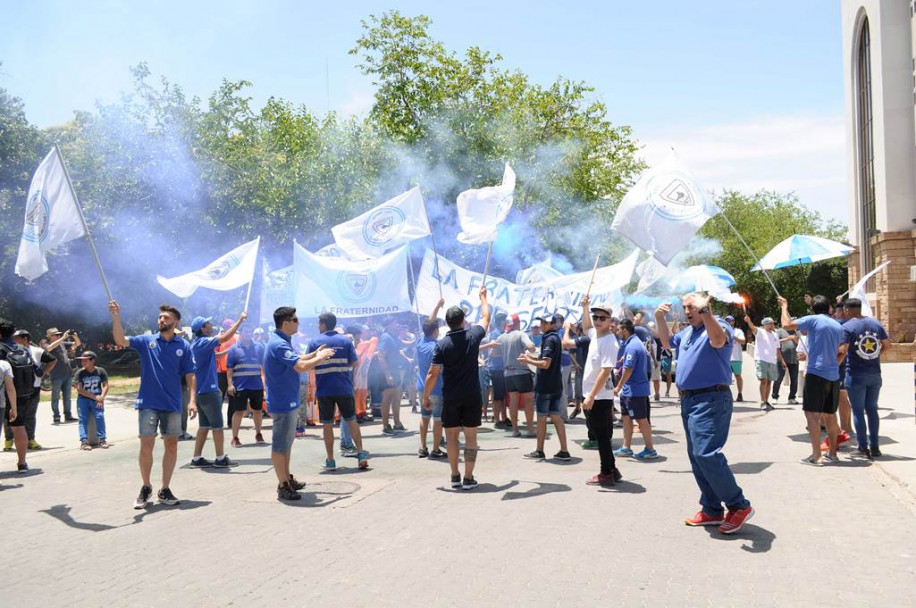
[[704, 374], [282, 367]]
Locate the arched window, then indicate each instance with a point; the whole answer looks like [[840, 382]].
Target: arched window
[[866, 152]]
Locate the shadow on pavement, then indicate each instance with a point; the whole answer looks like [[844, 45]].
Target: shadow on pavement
[[895, 416], [10, 487], [891, 457], [749, 468], [625, 487], [761, 539], [323, 494], [803, 438], [483, 488], [18, 475], [540, 490], [62, 514]]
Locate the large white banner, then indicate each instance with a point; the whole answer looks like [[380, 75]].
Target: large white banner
[[229, 271], [389, 225], [52, 217], [350, 288], [562, 295]]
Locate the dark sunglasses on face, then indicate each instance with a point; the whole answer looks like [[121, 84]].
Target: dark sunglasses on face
[[599, 318]]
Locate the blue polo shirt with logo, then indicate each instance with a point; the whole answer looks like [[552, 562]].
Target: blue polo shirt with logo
[[334, 377], [281, 378], [245, 363], [636, 357], [699, 365], [162, 365], [204, 348]]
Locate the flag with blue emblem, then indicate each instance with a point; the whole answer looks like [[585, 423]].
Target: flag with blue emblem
[[663, 210], [350, 288], [389, 225], [482, 210], [229, 271], [52, 217]]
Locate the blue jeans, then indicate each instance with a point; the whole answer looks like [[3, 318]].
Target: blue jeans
[[346, 439], [86, 408], [707, 417], [863, 396], [61, 387]]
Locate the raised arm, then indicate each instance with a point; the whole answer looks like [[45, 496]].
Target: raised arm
[[663, 333], [785, 318], [117, 330], [435, 313], [586, 314], [484, 308]]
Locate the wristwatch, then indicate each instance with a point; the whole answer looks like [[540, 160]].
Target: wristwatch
[[704, 310]]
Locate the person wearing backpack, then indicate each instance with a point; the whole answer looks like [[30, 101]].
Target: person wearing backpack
[[44, 362], [23, 370]]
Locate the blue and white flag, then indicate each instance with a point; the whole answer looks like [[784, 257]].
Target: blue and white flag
[[52, 217], [226, 272], [350, 288], [391, 224], [541, 271], [482, 210], [663, 211]]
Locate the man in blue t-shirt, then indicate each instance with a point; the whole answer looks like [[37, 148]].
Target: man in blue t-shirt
[[704, 375], [209, 395], [282, 366], [244, 384], [633, 388], [864, 339], [821, 394], [164, 359], [334, 388], [426, 348]]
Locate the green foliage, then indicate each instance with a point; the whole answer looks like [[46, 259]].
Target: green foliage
[[764, 219]]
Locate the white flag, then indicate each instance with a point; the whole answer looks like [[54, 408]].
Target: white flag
[[52, 217], [482, 210], [350, 288], [226, 272], [276, 291], [385, 227], [663, 211], [858, 291], [541, 271]]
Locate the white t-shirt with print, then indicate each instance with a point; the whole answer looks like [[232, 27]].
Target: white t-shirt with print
[[602, 352]]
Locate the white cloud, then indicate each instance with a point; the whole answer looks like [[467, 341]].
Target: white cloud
[[801, 154], [358, 103]]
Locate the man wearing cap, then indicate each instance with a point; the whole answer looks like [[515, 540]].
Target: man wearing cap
[[426, 348], [820, 397], [44, 362], [597, 383], [91, 389], [246, 388], [391, 362], [633, 388], [164, 359], [737, 358], [519, 384], [209, 392], [864, 338], [61, 374], [704, 380], [766, 354], [548, 387], [455, 359]]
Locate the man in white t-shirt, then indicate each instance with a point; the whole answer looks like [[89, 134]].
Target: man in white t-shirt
[[8, 395], [737, 360], [598, 387], [766, 354]]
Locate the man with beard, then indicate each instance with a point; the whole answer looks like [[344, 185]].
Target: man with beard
[[164, 359]]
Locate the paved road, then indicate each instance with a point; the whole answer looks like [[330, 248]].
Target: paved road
[[533, 534]]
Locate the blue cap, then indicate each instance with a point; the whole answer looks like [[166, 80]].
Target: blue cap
[[554, 319], [729, 318], [766, 320], [198, 323]]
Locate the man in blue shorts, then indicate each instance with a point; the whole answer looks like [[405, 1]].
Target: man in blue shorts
[[334, 388], [548, 387], [426, 348], [209, 393], [164, 359], [455, 358], [633, 388], [282, 367], [704, 348]]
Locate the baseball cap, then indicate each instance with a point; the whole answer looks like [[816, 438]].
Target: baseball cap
[[554, 318], [767, 321], [729, 318], [87, 354], [198, 323], [603, 307], [53, 331], [512, 323], [21, 332]]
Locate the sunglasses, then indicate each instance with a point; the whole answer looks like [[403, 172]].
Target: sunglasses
[[599, 318]]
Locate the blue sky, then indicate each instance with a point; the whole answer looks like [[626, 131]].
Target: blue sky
[[750, 93]]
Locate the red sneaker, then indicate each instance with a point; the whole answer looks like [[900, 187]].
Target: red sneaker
[[842, 438], [735, 520], [702, 518], [601, 480]]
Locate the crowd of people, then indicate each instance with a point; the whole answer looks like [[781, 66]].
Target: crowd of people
[[459, 376]]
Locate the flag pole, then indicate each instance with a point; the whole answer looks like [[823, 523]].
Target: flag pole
[[79, 208], [251, 282], [756, 259], [435, 251], [413, 279], [486, 266], [594, 270]]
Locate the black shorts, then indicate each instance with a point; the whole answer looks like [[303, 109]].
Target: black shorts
[[246, 397], [345, 403], [498, 382], [820, 395], [519, 383], [22, 411], [465, 411], [636, 408]]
